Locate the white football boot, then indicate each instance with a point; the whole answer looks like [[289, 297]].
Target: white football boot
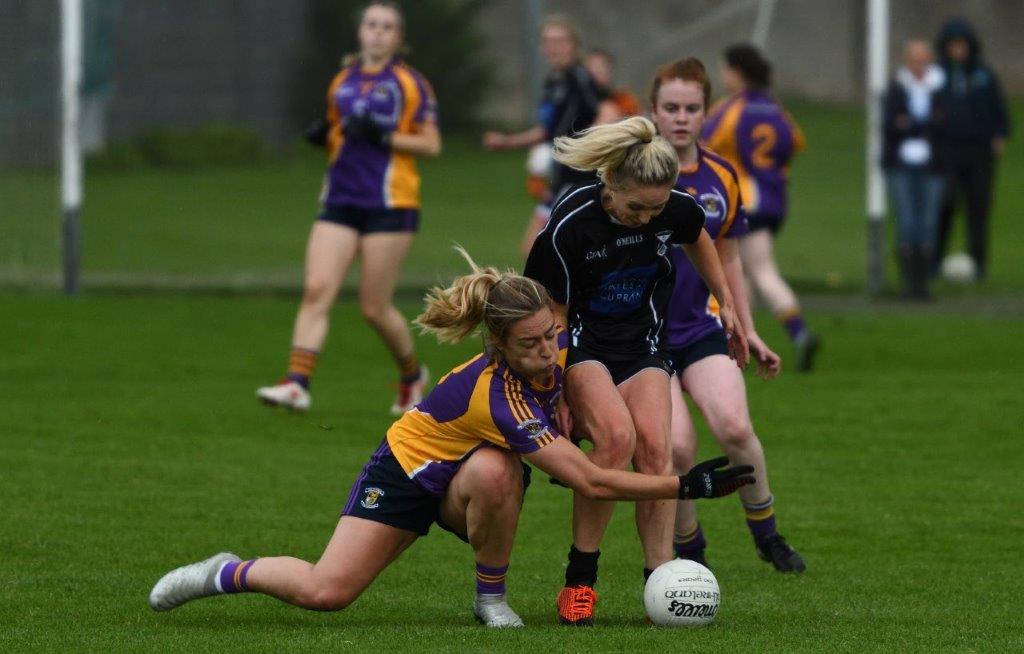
[[286, 393], [494, 611], [409, 395], [189, 582]]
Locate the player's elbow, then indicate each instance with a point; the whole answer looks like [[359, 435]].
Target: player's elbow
[[592, 487]]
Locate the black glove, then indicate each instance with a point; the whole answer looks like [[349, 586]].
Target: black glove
[[362, 127], [706, 480], [316, 133]]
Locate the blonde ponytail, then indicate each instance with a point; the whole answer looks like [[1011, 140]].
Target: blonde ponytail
[[629, 149], [487, 295]]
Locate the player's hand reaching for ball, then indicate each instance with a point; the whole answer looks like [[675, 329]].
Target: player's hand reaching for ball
[[713, 479]]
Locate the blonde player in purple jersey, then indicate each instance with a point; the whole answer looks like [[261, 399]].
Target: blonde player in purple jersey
[[381, 115], [696, 339], [454, 460], [759, 138]]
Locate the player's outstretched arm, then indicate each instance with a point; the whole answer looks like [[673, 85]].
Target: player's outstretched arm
[[567, 463], [769, 364]]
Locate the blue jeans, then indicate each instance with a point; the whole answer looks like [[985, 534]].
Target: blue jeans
[[916, 197]]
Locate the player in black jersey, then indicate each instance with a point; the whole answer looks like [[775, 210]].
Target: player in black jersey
[[570, 101], [605, 258]]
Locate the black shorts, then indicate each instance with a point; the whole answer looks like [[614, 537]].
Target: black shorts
[[621, 368], [770, 222], [384, 493], [370, 221], [704, 347]]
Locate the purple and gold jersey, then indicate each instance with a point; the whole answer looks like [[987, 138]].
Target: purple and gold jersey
[[368, 175], [478, 403], [759, 138], [693, 310]]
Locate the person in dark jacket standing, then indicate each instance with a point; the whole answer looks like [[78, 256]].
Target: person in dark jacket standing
[[976, 128], [912, 159]]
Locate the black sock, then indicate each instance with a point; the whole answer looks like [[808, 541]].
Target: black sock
[[582, 570], [647, 574]]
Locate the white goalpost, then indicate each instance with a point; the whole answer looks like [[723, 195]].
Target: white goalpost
[[71, 146], [877, 73]]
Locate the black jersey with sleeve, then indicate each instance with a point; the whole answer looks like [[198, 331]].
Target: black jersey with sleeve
[[615, 280], [569, 104]]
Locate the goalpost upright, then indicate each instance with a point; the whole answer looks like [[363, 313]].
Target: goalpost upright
[[877, 73], [71, 147]]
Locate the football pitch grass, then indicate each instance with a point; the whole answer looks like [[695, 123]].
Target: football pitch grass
[[131, 442], [246, 227]]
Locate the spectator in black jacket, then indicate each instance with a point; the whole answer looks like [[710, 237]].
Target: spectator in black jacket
[[912, 158], [974, 135]]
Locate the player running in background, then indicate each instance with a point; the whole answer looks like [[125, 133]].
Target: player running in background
[[696, 339], [604, 257], [571, 101], [752, 130], [454, 460], [381, 116]]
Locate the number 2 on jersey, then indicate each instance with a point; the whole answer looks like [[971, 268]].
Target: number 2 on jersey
[[764, 137]]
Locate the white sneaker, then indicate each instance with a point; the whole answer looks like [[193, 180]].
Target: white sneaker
[[188, 582], [493, 611], [286, 393], [409, 395]]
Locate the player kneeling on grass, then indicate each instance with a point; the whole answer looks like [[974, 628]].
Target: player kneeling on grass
[[455, 460]]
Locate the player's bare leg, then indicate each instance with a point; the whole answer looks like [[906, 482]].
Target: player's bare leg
[[688, 540], [647, 396], [382, 255], [357, 552], [757, 253], [330, 251], [717, 388], [483, 503], [599, 412]]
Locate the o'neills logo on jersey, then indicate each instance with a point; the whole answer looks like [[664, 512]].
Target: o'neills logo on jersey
[[629, 240]]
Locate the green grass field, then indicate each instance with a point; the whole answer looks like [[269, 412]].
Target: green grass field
[[131, 442], [247, 227]]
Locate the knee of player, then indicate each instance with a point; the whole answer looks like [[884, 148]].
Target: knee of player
[[495, 476], [373, 311], [329, 598], [684, 454], [653, 456], [316, 290], [735, 431], [615, 446]]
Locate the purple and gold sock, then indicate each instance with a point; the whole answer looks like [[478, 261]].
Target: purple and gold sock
[[689, 543], [232, 576], [761, 518], [490, 581], [301, 363], [794, 323]]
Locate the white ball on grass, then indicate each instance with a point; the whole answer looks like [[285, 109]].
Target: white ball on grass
[[681, 593]]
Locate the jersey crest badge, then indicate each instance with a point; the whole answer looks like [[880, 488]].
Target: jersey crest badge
[[372, 498], [532, 427], [663, 237]]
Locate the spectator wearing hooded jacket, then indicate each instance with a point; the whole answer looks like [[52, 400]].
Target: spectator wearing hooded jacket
[[974, 136], [912, 158]]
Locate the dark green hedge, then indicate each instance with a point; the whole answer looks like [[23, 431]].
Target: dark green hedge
[[444, 45]]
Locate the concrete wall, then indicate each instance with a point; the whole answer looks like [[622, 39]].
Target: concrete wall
[[198, 61], [817, 46]]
